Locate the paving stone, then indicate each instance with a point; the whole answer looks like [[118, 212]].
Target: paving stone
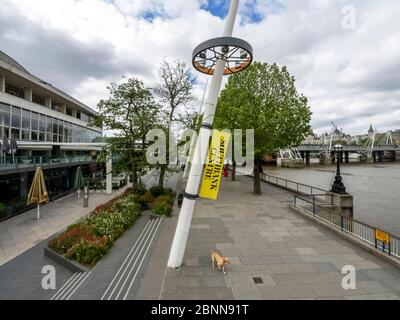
[[299, 291], [246, 293], [326, 290], [273, 293], [249, 260]]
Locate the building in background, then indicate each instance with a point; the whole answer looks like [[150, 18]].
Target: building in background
[[51, 129]]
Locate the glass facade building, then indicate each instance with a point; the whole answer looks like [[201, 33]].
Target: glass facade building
[[27, 125], [52, 130]]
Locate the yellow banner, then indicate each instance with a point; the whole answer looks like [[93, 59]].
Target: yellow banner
[[382, 236], [214, 166]]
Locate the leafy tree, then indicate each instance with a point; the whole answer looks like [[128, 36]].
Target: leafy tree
[[174, 89], [264, 98], [130, 112]]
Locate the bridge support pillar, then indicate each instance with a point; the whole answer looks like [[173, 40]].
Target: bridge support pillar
[[380, 156], [307, 157], [346, 157], [372, 158]]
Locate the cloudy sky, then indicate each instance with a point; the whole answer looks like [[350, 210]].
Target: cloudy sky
[[344, 54]]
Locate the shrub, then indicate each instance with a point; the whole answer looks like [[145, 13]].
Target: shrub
[[140, 189], [88, 252], [3, 211], [168, 199], [162, 209], [139, 200], [147, 197], [169, 192], [69, 238], [157, 191]]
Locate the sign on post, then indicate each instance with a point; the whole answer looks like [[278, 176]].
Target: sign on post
[[382, 236], [214, 166]]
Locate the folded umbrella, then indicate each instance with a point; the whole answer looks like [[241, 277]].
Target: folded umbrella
[[38, 192]]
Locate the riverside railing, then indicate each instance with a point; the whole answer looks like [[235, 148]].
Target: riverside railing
[[19, 162], [323, 210], [291, 185]]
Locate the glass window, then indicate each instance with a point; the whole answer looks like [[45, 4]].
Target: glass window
[[84, 117], [69, 132], [42, 123], [4, 131], [49, 124], [55, 137], [42, 136], [15, 132], [60, 127], [55, 126], [16, 117], [26, 125], [34, 136], [34, 121], [25, 134], [4, 115]]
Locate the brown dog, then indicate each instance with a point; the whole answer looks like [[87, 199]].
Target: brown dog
[[221, 261]]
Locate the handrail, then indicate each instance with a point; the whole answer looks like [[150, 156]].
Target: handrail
[[349, 225], [268, 178]]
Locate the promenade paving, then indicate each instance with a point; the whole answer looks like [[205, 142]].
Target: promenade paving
[[21, 277], [24, 231], [295, 257]]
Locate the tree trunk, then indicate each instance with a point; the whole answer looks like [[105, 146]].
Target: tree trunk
[[257, 171], [234, 170], [161, 178]]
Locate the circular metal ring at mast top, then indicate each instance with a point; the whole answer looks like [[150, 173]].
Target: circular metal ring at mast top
[[237, 53]]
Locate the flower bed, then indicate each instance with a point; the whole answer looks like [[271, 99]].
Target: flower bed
[[88, 240]]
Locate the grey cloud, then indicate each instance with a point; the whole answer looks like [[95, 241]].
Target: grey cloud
[[60, 59]]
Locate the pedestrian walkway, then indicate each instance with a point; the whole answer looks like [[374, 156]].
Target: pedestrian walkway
[[22, 232], [116, 276], [275, 253]]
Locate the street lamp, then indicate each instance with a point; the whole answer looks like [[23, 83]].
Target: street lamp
[[217, 57], [338, 186]]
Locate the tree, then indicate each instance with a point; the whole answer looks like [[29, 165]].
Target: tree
[[131, 112], [264, 98], [174, 89]]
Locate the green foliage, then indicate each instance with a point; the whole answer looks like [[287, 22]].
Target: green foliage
[[147, 197], [162, 208], [3, 211], [264, 98], [131, 112], [165, 198], [89, 240], [140, 189], [157, 191], [169, 192]]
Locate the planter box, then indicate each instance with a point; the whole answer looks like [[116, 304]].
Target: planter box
[[70, 265]]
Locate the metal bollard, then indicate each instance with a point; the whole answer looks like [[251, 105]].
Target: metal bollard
[[85, 197]]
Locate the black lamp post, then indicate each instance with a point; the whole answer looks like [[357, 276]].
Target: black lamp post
[[338, 186]]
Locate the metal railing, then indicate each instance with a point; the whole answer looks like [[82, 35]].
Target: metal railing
[[292, 185], [313, 206], [9, 163]]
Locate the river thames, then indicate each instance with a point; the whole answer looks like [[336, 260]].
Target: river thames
[[374, 186]]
